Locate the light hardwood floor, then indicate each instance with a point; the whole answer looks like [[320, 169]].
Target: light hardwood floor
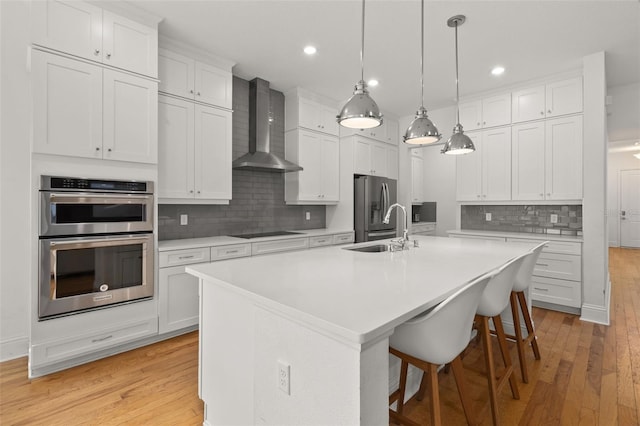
[[589, 375]]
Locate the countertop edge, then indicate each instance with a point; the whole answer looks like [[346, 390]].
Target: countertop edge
[[522, 235]]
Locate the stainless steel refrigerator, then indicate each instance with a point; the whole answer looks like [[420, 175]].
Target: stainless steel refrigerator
[[372, 197]]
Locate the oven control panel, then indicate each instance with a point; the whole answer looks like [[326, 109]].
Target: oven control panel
[[98, 185]]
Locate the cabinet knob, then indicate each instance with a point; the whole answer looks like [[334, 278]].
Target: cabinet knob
[[541, 195], [96, 52], [484, 122], [191, 191], [97, 148], [318, 126], [108, 55], [478, 195], [478, 123], [548, 194], [198, 192], [198, 93], [541, 112], [549, 111], [109, 149], [191, 91]]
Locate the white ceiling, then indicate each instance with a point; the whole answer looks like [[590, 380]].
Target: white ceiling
[[531, 39]]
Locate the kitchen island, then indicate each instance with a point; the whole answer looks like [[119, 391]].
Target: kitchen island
[[302, 338]]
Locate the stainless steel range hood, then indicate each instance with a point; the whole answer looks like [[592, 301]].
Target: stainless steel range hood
[[259, 158]]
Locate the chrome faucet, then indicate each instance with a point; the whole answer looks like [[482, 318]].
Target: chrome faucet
[[405, 234]]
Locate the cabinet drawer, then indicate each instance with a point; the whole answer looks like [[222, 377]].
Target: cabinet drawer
[[325, 240], [345, 238], [59, 350], [231, 251], [560, 292], [279, 245], [184, 257], [560, 266]]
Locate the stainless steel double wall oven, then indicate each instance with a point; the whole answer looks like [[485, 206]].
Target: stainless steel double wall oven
[[96, 244]]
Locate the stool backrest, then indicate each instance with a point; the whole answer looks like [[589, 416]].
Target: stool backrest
[[496, 295], [441, 334], [523, 277]]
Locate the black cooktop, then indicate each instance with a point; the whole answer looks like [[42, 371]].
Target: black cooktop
[[266, 234]]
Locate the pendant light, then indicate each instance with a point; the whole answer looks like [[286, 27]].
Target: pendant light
[[458, 143], [360, 111], [421, 131]]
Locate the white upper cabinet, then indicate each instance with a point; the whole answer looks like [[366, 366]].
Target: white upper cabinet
[[87, 31], [485, 175], [185, 77], [301, 111], [319, 156], [83, 110], [545, 101], [194, 162], [487, 112], [392, 162], [392, 132], [388, 132], [547, 160]]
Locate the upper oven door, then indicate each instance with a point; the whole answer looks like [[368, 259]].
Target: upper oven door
[[78, 213]]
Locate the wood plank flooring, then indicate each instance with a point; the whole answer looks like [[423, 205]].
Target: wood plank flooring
[[589, 375]]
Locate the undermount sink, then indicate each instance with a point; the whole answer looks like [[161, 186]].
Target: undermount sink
[[375, 248]]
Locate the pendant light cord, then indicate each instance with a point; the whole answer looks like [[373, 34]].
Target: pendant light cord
[[362, 47], [457, 90], [422, 55]]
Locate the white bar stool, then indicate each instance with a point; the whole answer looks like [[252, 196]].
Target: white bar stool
[[433, 338]]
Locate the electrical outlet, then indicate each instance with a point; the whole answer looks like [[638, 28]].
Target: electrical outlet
[[284, 371], [184, 219], [487, 217], [554, 218], [307, 215]]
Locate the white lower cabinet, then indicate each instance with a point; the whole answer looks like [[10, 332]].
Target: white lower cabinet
[[178, 299]]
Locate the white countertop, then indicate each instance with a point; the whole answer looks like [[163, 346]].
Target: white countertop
[[190, 243], [524, 235], [354, 296]]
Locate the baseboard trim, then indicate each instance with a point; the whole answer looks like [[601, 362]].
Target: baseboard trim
[[14, 348], [597, 314]]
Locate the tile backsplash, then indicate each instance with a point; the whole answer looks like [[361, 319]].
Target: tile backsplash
[[523, 218], [257, 203]]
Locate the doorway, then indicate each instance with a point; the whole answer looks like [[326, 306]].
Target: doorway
[[630, 208]]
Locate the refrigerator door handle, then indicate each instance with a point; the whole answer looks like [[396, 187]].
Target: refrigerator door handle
[[385, 199]]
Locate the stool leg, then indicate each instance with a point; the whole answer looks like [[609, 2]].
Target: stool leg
[[404, 366], [519, 340], [435, 395], [506, 358], [483, 330], [467, 404], [529, 323]]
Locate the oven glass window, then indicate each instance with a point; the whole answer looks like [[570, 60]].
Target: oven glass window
[[96, 269], [97, 213]]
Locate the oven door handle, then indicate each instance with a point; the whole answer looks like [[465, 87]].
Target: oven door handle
[[103, 241], [99, 198]]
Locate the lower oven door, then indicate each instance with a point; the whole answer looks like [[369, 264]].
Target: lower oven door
[[81, 273]]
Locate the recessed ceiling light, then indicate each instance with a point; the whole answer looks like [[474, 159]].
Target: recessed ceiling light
[[497, 70], [310, 50], [373, 82]]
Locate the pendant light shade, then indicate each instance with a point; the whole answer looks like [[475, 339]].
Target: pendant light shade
[[458, 143], [360, 111], [421, 131]]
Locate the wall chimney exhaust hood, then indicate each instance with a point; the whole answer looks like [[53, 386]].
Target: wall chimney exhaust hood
[[259, 158]]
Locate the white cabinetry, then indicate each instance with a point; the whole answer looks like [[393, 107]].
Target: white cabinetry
[[546, 101], [195, 152], [302, 111], [417, 178], [319, 156], [547, 160], [185, 77], [375, 158], [84, 30], [487, 112], [83, 110], [485, 175], [387, 132]]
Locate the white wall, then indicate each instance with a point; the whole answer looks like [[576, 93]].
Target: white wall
[[617, 161], [15, 185], [623, 113]]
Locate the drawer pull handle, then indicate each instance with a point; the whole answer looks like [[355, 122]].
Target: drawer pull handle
[[322, 241], [231, 251], [541, 289], [102, 339], [541, 264], [186, 257]]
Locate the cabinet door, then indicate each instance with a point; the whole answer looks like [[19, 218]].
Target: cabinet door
[[496, 164], [362, 157], [417, 177], [130, 118], [129, 45], [176, 74], [212, 153], [175, 148], [328, 120], [178, 302], [212, 85], [309, 114], [564, 97], [528, 104], [527, 161], [67, 106], [310, 157], [496, 111], [330, 169], [73, 27], [563, 152], [392, 162], [378, 159], [471, 115], [469, 172], [391, 131]]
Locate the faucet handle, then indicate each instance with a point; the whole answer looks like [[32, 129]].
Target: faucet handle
[[416, 243]]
